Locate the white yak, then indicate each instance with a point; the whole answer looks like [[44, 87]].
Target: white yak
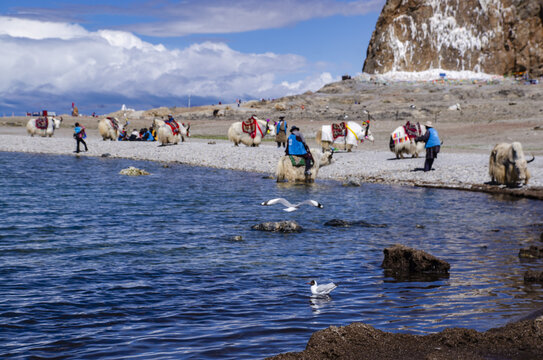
[[165, 134], [400, 143], [43, 126], [288, 172], [508, 166], [353, 134], [110, 128], [237, 135]]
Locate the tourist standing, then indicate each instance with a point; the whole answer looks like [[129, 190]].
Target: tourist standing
[[433, 145], [281, 132], [79, 135]]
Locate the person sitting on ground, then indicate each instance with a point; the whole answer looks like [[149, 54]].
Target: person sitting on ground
[[433, 145], [147, 136], [134, 135], [297, 146], [123, 135]]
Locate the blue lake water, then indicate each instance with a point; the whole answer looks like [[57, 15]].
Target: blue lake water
[[94, 264]]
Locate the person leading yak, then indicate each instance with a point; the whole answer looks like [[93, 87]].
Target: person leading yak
[[296, 146], [433, 145]]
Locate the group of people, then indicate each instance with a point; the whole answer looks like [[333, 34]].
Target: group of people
[[294, 145], [143, 134]]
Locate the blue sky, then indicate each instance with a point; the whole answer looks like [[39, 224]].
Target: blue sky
[[149, 53]]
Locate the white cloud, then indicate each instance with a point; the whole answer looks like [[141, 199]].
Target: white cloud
[[216, 16], [67, 59]]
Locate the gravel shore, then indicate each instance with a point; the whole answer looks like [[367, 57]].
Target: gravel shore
[[365, 164]]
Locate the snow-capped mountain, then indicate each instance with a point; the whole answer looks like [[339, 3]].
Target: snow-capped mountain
[[489, 36]]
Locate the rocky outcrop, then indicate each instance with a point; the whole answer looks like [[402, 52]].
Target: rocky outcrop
[[520, 340], [281, 226], [403, 260], [490, 36]]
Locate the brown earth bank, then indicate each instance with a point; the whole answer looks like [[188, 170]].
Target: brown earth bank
[[518, 340]]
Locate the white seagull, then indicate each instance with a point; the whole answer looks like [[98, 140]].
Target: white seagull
[[321, 290], [292, 207]]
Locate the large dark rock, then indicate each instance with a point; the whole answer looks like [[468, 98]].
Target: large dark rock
[[533, 252], [403, 260], [281, 226], [520, 340], [345, 223], [494, 37]]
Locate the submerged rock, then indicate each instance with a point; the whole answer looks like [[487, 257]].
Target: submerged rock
[[281, 226], [533, 252], [132, 171], [533, 276], [404, 260], [345, 223]]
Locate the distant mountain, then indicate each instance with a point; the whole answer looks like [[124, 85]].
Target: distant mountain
[[490, 36]]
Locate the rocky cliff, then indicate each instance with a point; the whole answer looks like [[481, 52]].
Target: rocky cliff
[[490, 36]]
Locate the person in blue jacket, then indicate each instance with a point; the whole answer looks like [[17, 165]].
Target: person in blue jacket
[[281, 132], [297, 146], [433, 145], [79, 135]]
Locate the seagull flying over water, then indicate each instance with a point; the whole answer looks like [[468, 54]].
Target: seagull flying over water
[[292, 207], [321, 290]]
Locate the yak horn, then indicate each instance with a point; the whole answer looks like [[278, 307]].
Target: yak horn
[[533, 158]]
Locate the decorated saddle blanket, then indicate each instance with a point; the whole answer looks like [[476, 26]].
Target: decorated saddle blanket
[[400, 137], [412, 130], [42, 123], [114, 123], [297, 161], [338, 130], [174, 125], [249, 126]]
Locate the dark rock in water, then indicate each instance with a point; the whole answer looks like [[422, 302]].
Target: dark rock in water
[[281, 226], [236, 238], [419, 226], [268, 177], [518, 340], [400, 259], [533, 252], [533, 276], [360, 223], [106, 155]]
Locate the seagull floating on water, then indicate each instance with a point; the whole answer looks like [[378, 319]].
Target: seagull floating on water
[[292, 207], [321, 290]]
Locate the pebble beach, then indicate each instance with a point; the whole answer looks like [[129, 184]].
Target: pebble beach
[[364, 164]]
